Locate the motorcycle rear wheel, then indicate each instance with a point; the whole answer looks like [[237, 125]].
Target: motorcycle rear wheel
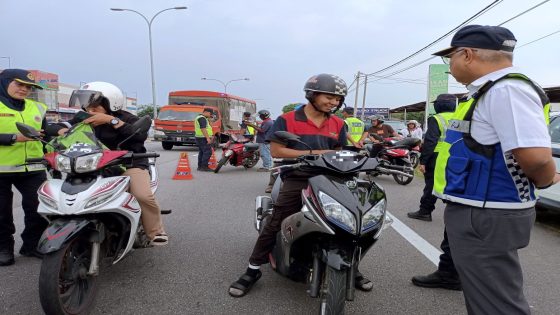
[[254, 160], [414, 160], [221, 163], [333, 294], [404, 180], [64, 285]]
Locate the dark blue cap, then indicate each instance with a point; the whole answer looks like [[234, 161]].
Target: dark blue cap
[[448, 98], [20, 75], [481, 36]]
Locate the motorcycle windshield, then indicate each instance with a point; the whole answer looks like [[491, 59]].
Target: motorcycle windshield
[[80, 133]]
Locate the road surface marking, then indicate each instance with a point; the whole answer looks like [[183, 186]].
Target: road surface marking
[[416, 240]]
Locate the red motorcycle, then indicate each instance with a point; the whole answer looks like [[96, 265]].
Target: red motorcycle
[[239, 151], [394, 158]]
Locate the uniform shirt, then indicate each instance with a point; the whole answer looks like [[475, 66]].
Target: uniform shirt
[[510, 113], [384, 131], [430, 141], [265, 130], [202, 122], [330, 135]]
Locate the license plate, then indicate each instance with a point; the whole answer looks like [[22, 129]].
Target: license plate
[[179, 139]]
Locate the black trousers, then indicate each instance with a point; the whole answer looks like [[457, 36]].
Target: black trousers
[[445, 260], [428, 201], [204, 152], [287, 203], [27, 184]]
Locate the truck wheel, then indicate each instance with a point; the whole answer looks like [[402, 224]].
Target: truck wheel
[[167, 145]]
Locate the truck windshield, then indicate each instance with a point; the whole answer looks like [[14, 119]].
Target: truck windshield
[[177, 115]]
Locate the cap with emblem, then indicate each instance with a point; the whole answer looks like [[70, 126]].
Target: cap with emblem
[[21, 76], [481, 36]]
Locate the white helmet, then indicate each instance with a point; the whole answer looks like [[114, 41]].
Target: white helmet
[[414, 122], [84, 96]]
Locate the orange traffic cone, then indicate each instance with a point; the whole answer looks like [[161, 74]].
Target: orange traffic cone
[[212, 163], [183, 169]]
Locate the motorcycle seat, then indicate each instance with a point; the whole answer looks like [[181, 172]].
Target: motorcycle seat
[[251, 146]]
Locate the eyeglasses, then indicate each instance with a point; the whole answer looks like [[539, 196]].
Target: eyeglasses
[[447, 58]]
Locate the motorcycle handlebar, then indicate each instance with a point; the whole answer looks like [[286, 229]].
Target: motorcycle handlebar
[[144, 155]]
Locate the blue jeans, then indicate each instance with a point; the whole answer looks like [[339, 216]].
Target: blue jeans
[[204, 152], [265, 154]]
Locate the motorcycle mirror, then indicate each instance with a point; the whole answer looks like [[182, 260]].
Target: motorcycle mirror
[[28, 131], [284, 135], [141, 126]]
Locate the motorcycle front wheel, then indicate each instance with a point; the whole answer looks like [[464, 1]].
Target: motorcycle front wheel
[[64, 285], [221, 163], [333, 293]]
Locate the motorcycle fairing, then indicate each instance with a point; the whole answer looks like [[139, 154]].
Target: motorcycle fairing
[[59, 232]]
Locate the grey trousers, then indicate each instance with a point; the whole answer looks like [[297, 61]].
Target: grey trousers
[[484, 244]]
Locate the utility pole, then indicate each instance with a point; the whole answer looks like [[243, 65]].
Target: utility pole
[[357, 89], [364, 100]]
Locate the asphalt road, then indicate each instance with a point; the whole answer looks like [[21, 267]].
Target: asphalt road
[[211, 236]]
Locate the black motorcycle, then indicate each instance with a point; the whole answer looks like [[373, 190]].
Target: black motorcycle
[[341, 218]]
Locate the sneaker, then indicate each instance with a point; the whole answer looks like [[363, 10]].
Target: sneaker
[[6, 257], [420, 216], [438, 279], [263, 169]]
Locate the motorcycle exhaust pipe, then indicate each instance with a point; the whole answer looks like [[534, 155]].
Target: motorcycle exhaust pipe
[[388, 171], [399, 167]]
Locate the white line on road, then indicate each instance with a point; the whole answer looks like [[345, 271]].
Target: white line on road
[[416, 240]]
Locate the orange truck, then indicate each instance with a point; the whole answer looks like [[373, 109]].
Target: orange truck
[[174, 125]]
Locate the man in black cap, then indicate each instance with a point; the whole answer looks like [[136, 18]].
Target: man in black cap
[[204, 136], [444, 105], [496, 152], [354, 128], [15, 87]]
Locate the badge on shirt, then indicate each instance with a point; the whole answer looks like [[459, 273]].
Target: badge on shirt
[[6, 115]]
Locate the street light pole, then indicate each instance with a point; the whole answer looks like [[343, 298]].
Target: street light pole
[[227, 83], [9, 62], [149, 22]]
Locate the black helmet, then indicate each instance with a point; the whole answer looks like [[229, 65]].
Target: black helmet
[[325, 83], [264, 114]]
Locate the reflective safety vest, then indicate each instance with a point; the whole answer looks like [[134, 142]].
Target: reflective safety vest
[[442, 120], [12, 157], [473, 174], [198, 132], [250, 130], [355, 128]]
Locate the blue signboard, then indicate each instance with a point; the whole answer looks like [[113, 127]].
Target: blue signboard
[[373, 111]]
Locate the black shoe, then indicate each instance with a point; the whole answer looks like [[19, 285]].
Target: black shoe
[[438, 279], [30, 253], [205, 169], [6, 257], [420, 216]]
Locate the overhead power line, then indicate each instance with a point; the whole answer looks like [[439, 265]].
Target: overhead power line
[[486, 9], [520, 14]]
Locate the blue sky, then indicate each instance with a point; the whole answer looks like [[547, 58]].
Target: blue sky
[[277, 44]]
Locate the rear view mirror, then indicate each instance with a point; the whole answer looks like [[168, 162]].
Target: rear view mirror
[[142, 125], [284, 135], [28, 131]]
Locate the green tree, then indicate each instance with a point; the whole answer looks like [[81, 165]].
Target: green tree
[[146, 110], [290, 107]]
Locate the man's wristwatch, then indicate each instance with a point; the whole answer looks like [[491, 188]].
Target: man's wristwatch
[[114, 122], [14, 138]]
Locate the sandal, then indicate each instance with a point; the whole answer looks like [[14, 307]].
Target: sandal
[[362, 283], [242, 286], [160, 239]]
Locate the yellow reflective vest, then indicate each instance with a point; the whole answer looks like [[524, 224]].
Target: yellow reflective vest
[[355, 128], [442, 120], [13, 157], [198, 132]]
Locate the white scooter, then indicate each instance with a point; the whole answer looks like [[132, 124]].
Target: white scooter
[[94, 220]]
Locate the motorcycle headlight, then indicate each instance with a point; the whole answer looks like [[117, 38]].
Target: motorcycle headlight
[[337, 213], [87, 163], [159, 133], [49, 202], [373, 216], [63, 163], [99, 200]]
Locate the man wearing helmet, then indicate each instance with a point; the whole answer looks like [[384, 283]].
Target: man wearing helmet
[[263, 131], [323, 132], [379, 131], [104, 102]]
